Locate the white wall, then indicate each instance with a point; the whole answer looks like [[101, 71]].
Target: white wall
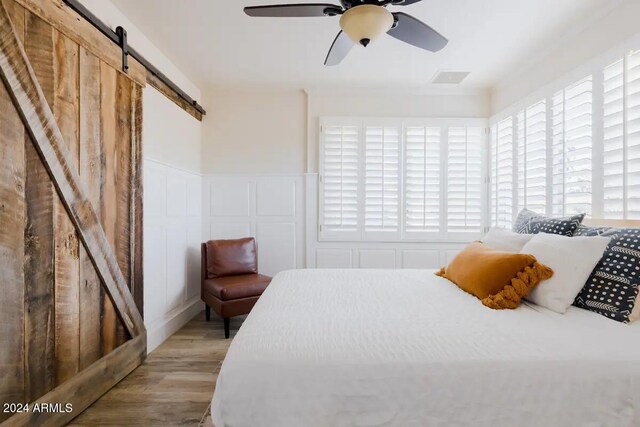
[[172, 143], [579, 47], [172, 237], [255, 132]]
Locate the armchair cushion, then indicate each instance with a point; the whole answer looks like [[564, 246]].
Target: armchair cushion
[[231, 257], [235, 287]]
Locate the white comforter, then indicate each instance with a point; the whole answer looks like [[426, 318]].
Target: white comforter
[[405, 348]]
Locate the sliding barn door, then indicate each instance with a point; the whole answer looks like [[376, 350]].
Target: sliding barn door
[[70, 212]]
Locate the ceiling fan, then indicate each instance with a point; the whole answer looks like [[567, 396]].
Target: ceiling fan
[[361, 21]]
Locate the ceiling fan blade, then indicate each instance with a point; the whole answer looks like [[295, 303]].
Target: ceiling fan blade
[[290, 10], [339, 49], [417, 33], [406, 2]]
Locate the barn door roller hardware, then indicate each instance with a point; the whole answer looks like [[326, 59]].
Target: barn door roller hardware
[[119, 37]]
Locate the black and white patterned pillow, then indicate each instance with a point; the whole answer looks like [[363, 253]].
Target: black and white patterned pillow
[[529, 222], [612, 287]]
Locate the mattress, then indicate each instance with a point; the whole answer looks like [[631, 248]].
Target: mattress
[[407, 348]]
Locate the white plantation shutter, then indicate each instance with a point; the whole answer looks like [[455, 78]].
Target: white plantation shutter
[[464, 179], [382, 178], [572, 149], [532, 157], [633, 135], [339, 179], [422, 179], [536, 157], [622, 138], [614, 164], [520, 164], [502, 203], [392, 180]]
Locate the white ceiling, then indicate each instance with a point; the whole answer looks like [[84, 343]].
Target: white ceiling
[[217, 45]]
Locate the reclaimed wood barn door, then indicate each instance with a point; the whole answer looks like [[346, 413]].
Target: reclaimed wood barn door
[[70, 212]]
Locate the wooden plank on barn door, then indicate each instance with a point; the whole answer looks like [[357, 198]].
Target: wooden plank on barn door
[[92, 174], [66, 243], [39, 286], [108, 84], [13, 220], [116, 122], [122, 173], [137, 197]]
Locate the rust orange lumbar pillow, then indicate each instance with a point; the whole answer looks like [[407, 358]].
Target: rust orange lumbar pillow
[[499, 279]]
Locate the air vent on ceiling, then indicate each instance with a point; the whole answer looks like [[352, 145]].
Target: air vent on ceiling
[[449, 77]]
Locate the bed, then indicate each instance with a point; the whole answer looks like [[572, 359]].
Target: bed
[[407, 348]]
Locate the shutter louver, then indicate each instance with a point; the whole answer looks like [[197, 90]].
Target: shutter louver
[[340, 179], [422, 179], [382, 178], [572, 149], [502, 173], [464, 179]]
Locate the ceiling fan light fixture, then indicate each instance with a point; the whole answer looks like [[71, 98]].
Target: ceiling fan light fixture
[[366, 22]]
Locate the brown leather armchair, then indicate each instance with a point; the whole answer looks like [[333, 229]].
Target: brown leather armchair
[[230, 280]]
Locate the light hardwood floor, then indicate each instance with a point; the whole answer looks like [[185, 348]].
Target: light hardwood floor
[[173, 386]]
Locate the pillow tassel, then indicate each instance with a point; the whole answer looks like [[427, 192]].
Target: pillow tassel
[[440, 272], [520, 287]]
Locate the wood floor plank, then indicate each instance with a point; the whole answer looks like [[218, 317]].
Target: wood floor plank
[[92, 172], [14, 221], [67, 245], [39, 284], [174, 385]]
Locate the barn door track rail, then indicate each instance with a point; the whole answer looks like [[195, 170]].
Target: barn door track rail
[[119, 37]]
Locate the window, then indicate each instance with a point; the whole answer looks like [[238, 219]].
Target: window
[[532, 154], [394, 180], [502, 167], [382, 178], [464, 179], [572, 149], [340, 179], [622, 137], [422, 179]]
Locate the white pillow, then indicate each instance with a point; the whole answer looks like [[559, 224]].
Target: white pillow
[[505, 240], [572, 260]]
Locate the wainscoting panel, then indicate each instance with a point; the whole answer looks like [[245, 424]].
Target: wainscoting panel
[[231, 198], [267, 207], [384, 258], [277, 247], [421, 259], [173, 233], [334, 258]]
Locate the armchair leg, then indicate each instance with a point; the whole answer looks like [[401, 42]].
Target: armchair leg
[[207, 312], [227, 322]]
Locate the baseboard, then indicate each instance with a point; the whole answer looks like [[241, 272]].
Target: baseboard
[[158, 333]]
